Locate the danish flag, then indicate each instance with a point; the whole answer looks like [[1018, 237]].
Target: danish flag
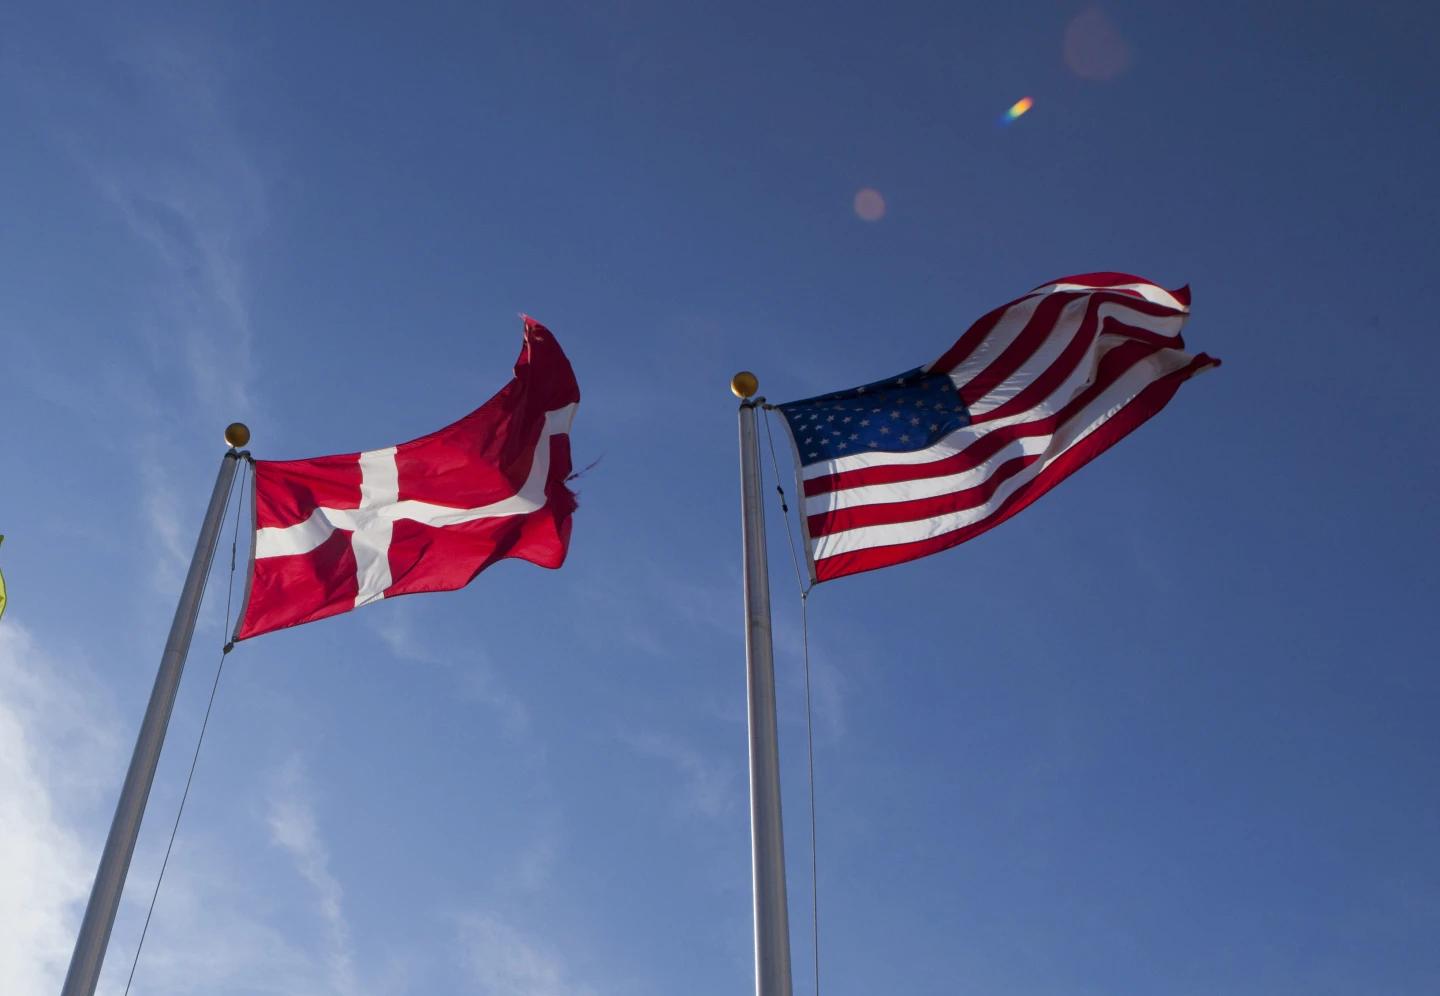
[[337, 532]]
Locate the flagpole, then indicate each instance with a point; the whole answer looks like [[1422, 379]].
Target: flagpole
[[94, 935], [767, 838]]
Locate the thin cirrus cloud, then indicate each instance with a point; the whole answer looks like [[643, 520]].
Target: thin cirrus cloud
[[61, 752], [43, 865], [709, 785], [192, 199], [194, 203], [474, 671], [293, 828], [502, 960]]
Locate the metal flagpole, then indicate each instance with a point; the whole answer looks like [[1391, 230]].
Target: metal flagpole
[[94, 936], [767, 837]]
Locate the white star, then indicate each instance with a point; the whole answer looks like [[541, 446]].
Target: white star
[[864, 422], [884, 430], [905, 439]]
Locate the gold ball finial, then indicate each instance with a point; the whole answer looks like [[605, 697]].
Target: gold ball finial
[[237, 434], [744, 384]]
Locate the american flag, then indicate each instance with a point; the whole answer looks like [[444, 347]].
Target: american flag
[[920, 462]]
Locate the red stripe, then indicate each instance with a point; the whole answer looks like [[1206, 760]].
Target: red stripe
[[970, 341], [1101, 278], [287, 491], [1149, 401], [1143, 305], [1112, 366], [300, 588], [1041, 387], [1112, 279], [917, 509], [1036, 331]]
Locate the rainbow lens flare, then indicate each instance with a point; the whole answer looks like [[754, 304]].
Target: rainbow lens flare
[[1018, 108]]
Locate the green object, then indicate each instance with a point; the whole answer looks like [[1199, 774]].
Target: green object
[[2, 585]]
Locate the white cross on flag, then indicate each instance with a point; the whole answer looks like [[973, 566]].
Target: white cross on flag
[[336, 532]]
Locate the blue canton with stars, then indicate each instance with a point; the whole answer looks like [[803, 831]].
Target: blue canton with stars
[[898, 415]]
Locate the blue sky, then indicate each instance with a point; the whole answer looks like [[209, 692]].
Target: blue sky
[[1170, 731]]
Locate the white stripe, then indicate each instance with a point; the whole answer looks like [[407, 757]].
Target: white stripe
[[379, 488], [1065, 328], [926, 487], [1081, 377], [373, 517], [1005, 331], [1094, 415], [284, 541], [529, 498], [1067, 323], [1150, 292]]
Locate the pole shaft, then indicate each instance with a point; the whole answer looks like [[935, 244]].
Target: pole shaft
[[767, 838], [94, 935]]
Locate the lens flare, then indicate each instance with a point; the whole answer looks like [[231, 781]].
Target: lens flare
[[1094, 48], [869, 204], [1018, 108]]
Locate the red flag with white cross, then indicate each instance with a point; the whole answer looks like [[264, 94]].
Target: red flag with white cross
[[337, 532]]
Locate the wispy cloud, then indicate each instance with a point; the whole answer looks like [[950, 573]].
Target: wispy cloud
[[194, 200], [477, 675], [196, 210], [708, 786], [532, 868], [827, 690], [161, 505], [293, 827], [147, 123], [62, 756], [50, 749], [656, 609], [829, 679], [500, 960], [215, 930]]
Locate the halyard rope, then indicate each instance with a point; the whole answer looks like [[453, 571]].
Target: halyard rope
[[229, 595], [809, 725]]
